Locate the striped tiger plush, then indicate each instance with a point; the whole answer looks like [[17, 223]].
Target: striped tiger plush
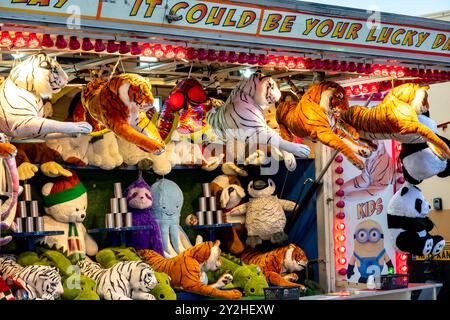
[[241, 117], [314, 117], [396, 117], [279, 265], [126, 280], [120, 104], [22, 108], [187, 270], [40, 282]]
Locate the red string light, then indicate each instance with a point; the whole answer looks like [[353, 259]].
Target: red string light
[[33, 41], [19, 40], [6, 40]]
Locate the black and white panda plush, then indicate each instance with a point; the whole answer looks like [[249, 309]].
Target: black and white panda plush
[[419, 161], [409, 225]]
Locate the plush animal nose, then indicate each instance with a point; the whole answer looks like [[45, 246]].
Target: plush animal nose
[[82, 216], [142, 197]]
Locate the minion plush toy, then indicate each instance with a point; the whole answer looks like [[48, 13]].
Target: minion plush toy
[[369, 254]]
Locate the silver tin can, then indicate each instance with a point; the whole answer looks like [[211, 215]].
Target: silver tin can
[[114, 203], [29, 224], [128, 219], [19, 226], [109, 220], [123, 206], [22, 209], [200, 217], [206, 190], [209, 217], [118, 220], [27, 192], [34, 209], [118, 190], [219, 218], [203, 204], [39, 224], [212, 203]]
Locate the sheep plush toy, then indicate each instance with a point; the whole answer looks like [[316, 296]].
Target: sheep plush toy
[[409, 225]]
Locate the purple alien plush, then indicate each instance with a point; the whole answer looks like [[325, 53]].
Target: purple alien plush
[[140, 202]]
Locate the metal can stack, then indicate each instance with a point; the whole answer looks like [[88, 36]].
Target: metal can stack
[[28, 217], [119, 216], [208, 212]]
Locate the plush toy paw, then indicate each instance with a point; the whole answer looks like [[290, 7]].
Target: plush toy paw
[[234, 294], [428, 246], [278, 237], [253, 241], [301, 151], [289, 161], [53, 169], [230, 169], [213, 163], [26, 171], [257, 158], [224, 280], [291, 277], [439, 244], [80, 128], [364, 152]]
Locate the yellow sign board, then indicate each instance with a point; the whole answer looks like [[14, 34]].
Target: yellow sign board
[[443, 256]]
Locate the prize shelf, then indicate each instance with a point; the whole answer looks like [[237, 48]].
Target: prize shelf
[[212, 227], [35, 234], [121, 231]]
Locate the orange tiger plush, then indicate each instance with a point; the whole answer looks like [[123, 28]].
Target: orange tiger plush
[[279, 265], [120, 104], [185, 270], [396, 117], [315, 115]]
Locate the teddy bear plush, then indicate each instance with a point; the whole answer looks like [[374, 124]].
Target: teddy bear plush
[[65, 203], [265, 218], [409, 225]]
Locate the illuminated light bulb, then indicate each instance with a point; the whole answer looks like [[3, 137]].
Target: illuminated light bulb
[[232, 57], [400, 72], [356, 90], [99, 46], [374, 87], [242, 58], [348, 91], [74, 44], [377, 70], [340, 215], [33, 41], [335, 65], [169, 52], [340, 204], [403, 257], [300, 63], [384, 71], [252, 58], [404, 269], [191, 53], [180, 53], [392, 71], [124, 48], [147, 50], [212, 55], [6, 40], [341, 238], [342, 261], [281, 62], [60, 43], [112, 46], [223, 56], [365, 88], [342, 271], [135, 49], [271, 62], [339, 159], [351, 67], [291, 64], [159, 51], [340, 193], [340, 226], [87, 45], [339, 181], [19, 40], [401, 180], [399, 147], [47, 41], [339, 170], [342, 249], [263, 60]]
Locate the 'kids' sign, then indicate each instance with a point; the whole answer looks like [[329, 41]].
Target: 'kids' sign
[[262, 23]]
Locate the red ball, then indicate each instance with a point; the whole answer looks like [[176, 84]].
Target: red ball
[[339, 159], [340, 204], [401, 180], [342, 271], [340, 193], [339, 181], [339, 170], [340, 215]]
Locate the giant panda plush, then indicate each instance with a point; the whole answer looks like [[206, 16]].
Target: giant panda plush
[[409, 224], [419, 161]]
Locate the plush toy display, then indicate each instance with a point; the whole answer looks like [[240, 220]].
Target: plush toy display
[[409, 224], [140, 201], [163, 290], [241, 117], [40, 282], [65, 201], [187, 269], [36, 78], [279, 265], [126, 280], [420, 161], [396, 117], [315, 115], [167, 203], [264, 213], [103, 152], [120, 104]]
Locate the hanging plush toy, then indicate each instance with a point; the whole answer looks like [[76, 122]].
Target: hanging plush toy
[[314, 117], [396, 117], [65, 201], [279, 265], [167, 203], [186, 270], [264, 213], [36, 78], [119, 104], [409, 224], [421, 162], [241, 118]]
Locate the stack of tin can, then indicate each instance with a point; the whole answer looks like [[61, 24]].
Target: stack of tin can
[[119, 216], [28, 218], [208, 212]]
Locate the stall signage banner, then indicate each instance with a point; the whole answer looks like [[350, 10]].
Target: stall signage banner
[[443, 256], [250, 20]]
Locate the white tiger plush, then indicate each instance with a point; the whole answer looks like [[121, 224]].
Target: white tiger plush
[[241, 118], [22, 109], [126, 280], [40, 282]]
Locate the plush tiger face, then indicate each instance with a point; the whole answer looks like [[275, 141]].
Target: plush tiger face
[[414, 95], [40, 74], [48, 283], [330, 96], [134, 91], [295, 259], [142, 277], [263, 89]]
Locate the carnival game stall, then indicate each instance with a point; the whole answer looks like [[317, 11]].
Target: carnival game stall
[[215, 149]]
